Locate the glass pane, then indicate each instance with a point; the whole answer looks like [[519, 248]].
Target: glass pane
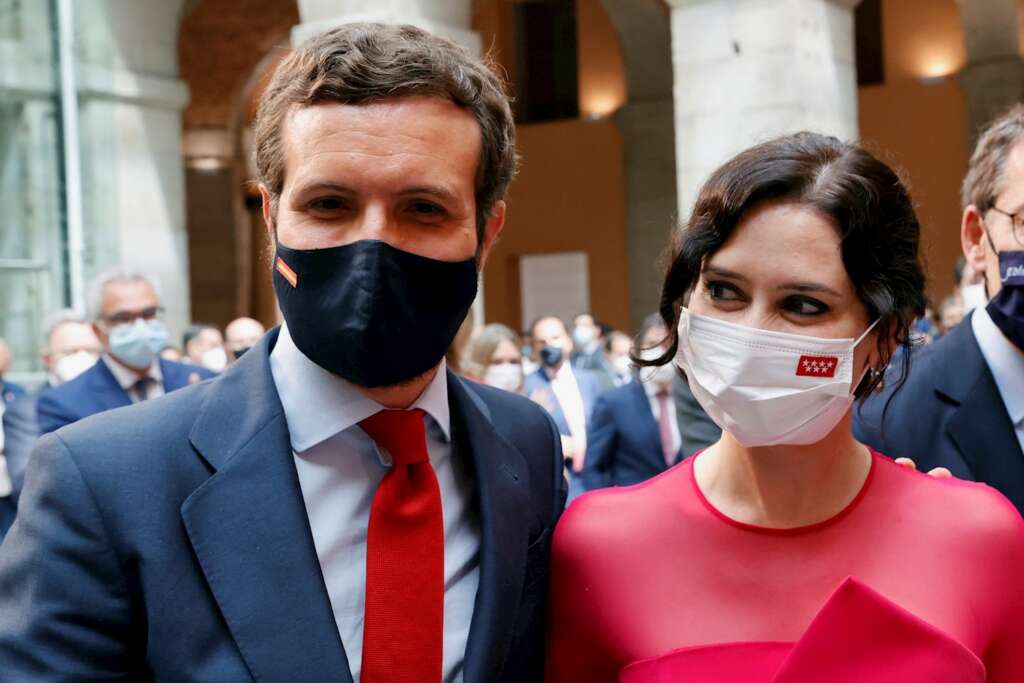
[[31, 232]]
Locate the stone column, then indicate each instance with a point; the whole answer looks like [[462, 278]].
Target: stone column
[[646, 124], [750, 70], [993, 78], [130, 122], [448, 18]]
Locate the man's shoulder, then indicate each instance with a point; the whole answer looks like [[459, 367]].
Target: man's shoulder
[[137, 431]]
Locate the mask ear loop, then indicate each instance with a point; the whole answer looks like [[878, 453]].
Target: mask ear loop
[[860, 383]]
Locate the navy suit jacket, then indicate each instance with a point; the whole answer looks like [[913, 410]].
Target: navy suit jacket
[[948, 414], [10, 392], [20, 433], [623, 442], [169, 541], [590, 388], [96, 390]]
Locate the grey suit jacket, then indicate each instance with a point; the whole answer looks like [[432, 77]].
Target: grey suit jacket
[[696, 430]]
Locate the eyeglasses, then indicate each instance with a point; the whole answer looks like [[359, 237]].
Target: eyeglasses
[[1016, 220], [128, 317]]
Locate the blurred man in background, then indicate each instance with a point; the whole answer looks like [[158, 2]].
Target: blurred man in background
[[962, 405], [127, 318], [567, 393], [240, 335], [70, 347], [634, 433], [204, 346]]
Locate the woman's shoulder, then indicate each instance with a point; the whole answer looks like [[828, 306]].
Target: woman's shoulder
[[619, 515], [964, 511]]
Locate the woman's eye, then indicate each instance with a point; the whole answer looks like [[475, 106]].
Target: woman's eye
[[802, 305], [722, 291]]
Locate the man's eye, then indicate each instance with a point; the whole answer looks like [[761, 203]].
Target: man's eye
[[426, 209], [327, 204], [802, 305]]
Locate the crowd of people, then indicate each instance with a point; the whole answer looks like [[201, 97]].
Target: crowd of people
[[376, 491]]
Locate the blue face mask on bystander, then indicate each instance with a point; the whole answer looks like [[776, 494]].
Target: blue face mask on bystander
[[136, 344]]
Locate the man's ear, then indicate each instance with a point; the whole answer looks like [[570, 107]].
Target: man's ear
[[100, 333], [495, 223], [268, 211], [972, 239]]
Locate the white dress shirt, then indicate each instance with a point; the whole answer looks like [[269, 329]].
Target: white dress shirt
[[1006, 362], [339, 468], [567, 391], [652, 390], [129, 378]]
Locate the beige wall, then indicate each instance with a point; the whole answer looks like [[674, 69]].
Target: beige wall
[[570, 193], [569, 196], [919, 126]]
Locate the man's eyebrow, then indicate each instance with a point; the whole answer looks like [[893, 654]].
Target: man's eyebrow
[[318, 185], [438, 191]]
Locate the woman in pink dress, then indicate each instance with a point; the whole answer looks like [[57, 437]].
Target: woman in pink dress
[[788, 552]]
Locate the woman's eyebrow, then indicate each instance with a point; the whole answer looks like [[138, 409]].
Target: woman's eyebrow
[[811, 287], [725, 272]]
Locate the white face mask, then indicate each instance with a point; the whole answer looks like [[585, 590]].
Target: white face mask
[[973, 297], [767, 388], [623, 365], [215, 359], [507, 376], [73, 365], [658, 375]]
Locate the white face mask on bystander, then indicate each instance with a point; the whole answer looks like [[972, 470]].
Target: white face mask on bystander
[[767, 388]]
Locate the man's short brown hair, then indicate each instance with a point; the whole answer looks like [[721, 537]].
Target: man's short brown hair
[[985, 173], [363, 62]]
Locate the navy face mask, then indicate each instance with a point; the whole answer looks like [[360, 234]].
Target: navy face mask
[[373, 314], [1007, 307]]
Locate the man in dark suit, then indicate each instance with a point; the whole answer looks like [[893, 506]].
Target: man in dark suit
[[269, 524], [70, 347], [567, 393], [962, 404], [126, 316], [635, 431]]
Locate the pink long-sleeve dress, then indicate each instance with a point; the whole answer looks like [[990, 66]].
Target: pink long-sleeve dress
[[917, 580]]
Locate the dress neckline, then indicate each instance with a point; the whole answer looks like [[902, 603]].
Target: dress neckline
[[791, 531]]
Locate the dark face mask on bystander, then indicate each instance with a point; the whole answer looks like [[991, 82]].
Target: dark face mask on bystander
[[373, 314], [1006, 308]]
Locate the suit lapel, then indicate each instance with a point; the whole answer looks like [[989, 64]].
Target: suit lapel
[[105, 389], [249, 529], [973, 390], [502, 483]]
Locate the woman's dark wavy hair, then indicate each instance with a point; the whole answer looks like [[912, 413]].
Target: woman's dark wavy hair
[[865, 200]]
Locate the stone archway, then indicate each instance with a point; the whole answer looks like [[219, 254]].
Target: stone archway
[[646, 122]]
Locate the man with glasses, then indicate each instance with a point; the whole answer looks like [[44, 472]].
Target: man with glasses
[[962, 406], [125, 309]]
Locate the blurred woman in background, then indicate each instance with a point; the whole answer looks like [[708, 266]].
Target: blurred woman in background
[[494, 358]]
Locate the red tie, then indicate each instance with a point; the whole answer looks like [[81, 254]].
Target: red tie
[[404, 619], [665, 428]]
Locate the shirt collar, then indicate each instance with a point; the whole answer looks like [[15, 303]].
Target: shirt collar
[[319, 404], [126, 378], [1004, 360]]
